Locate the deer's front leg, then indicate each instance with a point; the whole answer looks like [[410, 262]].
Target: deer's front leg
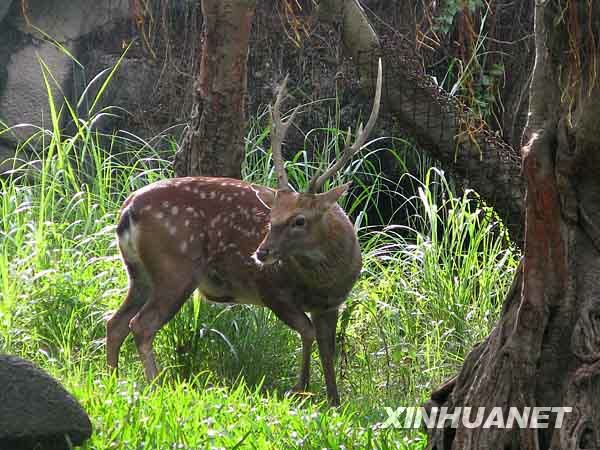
[[325, 324], [297, 319]]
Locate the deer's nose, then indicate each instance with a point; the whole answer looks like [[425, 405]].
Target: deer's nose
[[262, 254]]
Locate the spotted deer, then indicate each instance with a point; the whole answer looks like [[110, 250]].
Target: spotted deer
[[236, 242]]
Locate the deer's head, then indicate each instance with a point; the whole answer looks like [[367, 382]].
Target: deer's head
[[298, 225], [304, 223]]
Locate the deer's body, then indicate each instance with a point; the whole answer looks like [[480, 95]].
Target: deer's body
[[294, 253], [183, 234], [218, 223]]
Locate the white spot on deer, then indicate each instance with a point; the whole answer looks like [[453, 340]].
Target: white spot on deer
[[197, 215], [187, 189], [147, 208], [165, 205], [174, 210], [196, 190], [202, 195], [183, 246], [215, 221], [187, 222], [172, 230], [192, 238], [212, 195], [190, 210], [219, 233], [159, 215], [229, 198]]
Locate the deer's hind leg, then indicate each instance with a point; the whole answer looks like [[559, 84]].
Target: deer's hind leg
[[117, 327], [304, 376], [168, 296]]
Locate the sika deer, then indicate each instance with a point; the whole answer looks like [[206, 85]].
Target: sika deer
[[295, 253]]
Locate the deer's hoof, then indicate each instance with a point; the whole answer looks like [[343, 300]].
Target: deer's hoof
[[298, 391], [298, 388]]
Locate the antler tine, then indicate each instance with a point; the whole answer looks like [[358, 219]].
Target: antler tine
[[361, 136], [279, 129]]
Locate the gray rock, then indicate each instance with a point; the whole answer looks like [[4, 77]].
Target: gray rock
[[133, 87], [7, 153], [23, 94], [25, 99], [77, 40], [4, 7], [67, 20], [35, 410]]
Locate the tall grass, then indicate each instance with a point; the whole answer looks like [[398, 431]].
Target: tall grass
[[431, 287]]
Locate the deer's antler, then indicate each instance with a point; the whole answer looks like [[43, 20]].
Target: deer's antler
[[348, 152], [279, 129]]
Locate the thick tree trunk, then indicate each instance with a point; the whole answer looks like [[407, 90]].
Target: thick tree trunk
[[214, 142], [545, 351], [465, 146]]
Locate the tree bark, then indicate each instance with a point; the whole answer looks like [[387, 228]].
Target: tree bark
[[477, 158], [213, 144], [545, 350]]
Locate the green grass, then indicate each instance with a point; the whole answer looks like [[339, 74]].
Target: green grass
[[198, 414], [431, 288]]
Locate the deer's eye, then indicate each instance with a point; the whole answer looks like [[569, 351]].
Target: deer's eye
[[299, 221]]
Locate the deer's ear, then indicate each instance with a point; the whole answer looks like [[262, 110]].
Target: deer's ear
[[329, 198]]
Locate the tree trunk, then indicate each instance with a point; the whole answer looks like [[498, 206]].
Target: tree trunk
[[213, 144], [465, 146], [545, 351]]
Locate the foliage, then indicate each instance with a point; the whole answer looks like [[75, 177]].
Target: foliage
[[473, 72]]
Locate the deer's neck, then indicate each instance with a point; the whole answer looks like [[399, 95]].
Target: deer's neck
[[335, 265]]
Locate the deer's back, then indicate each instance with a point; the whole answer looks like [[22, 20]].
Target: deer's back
[[207, 226]]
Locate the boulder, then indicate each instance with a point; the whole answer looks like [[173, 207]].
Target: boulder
[[4, 7], [52, 32], [25, 99], [66, 21], [36, 411]]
